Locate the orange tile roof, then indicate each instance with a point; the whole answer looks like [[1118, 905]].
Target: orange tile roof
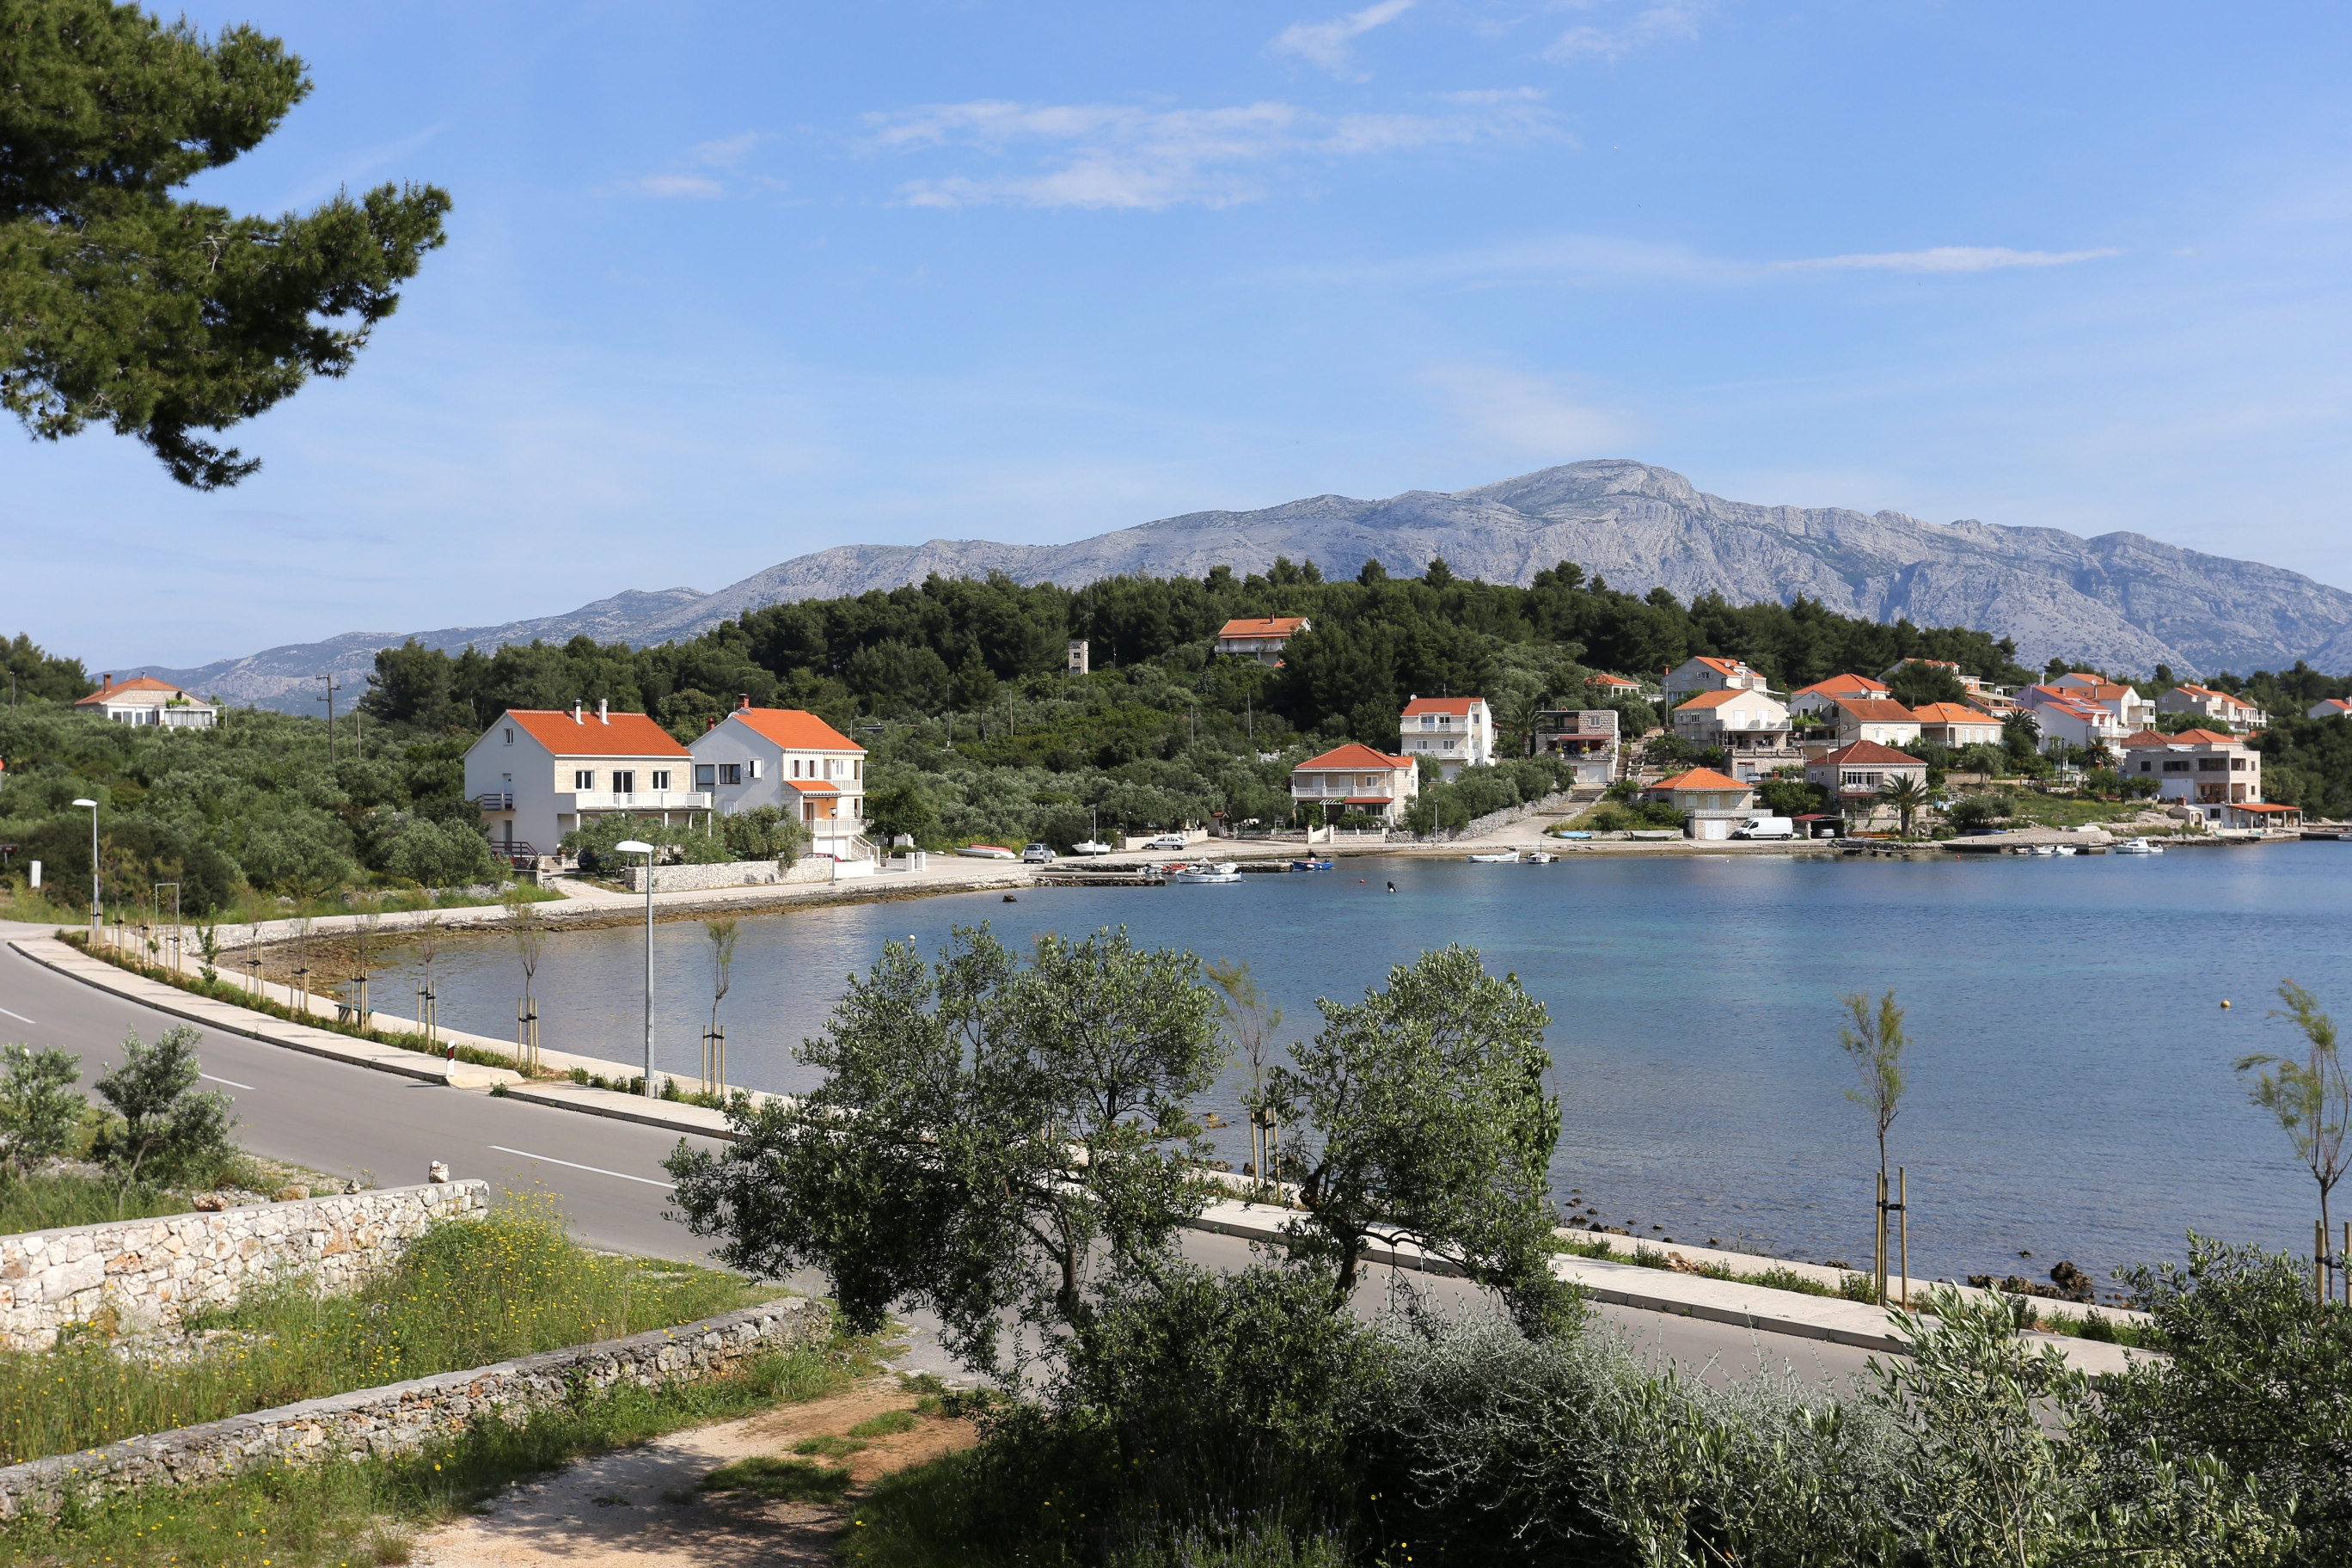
[[1952, 713], [1443, 705], [1726, 666], [1700, 778], [617, 735], [1262, 627], [1837, 683], [2185, 738], [1354, 755], [1870, 752], [136, 683], [2261, 806], [1600, 679], [813, 786], [1718, 699], [2338, 703], [1876, 710], [795, 730]]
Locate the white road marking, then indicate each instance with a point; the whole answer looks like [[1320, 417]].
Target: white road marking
[[230, 1082], [595, 1169], [20, 1017]]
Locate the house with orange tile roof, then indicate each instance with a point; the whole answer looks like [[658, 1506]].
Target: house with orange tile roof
[[538, 773], [1956, 724], [143, 699], [1877, 718], [1456, 732], [2132, 710], [1608, 682], [1712, 804], [1358, 779], [1820, 699], [2205, 770], [2329, 707], [1855, 774], [2231, 712], [1749, 727], [1261, 638], [1693, 676], [792, 760]]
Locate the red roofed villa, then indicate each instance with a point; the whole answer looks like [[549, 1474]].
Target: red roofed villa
[[788, 758], [1711, 804], [1357, 778], [1455, 733], [539, 772], [143, 699], [1261, 638]]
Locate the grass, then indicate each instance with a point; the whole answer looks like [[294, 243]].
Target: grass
[[37, 907], [470, 1293], [780, 1480], [348, 1515], [52, 1201]]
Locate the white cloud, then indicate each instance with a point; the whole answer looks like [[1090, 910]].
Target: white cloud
[[695, 185], [1649, 24], [698, 176], [1116, 156], [1955, 258], [1326, 43], [1517, 412], [726, 152]]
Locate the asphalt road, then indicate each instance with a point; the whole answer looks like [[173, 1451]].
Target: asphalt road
[[606, 1175]]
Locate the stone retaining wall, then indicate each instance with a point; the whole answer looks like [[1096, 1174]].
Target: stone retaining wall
[[400, 1418], [149, 1270]]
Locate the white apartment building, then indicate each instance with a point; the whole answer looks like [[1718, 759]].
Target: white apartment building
[[539, 772], [1455, 733], [1357, 778], [143, 699], [2207, 703], [1751, 728], [2062, 719], [1693, 676], [2203, 769], [2132, 710], [1261, 636], [794, 760], [1956, 724], [1820, 699], [1877, 720]]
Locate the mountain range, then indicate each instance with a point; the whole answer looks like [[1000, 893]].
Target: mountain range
[[2124, 602]]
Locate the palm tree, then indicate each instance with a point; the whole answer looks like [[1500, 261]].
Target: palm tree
[[1906, 792]]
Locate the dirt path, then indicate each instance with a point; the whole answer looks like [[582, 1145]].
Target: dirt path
[[639, 1508]]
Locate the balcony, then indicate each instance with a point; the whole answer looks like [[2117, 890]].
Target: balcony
[[584, 800], [496, 800]]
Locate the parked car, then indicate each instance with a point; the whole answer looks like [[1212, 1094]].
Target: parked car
[[1766, 827], [1037, 855], [1089, 847], [1168, 841]]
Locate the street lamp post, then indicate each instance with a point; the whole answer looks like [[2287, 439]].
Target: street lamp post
[[637, 846], [94, 916]]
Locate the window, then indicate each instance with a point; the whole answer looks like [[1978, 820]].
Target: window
[[509, 734], [584, 778], [858, 769], [2237, 764], [731, 773], [625, 783], [661, 780], [755, 767], [796, 767], [2145, 766], [2212, 765], [706, 774], [2175, 764]]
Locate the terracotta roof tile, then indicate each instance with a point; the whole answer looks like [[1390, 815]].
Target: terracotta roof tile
[[1262, 626], [1354, 755], [794, 729], [1700, 778], [1443, 705], [1870, 752], [617, 735]]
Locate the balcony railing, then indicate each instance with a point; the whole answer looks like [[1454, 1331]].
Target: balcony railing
[[632, 800], [496, 800]]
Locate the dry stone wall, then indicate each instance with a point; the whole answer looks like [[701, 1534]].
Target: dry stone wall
[[726, 874], [149, 1271], [403, 1417]]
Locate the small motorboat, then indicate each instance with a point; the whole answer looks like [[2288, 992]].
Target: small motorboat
[[1540, 857], [1206, 875], [2042, 849], [1497, 858], [2066, 849], [1310, 865], [2137, 846], [987, 852], [1579, 833]]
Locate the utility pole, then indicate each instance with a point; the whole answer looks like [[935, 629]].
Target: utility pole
[[331, 687]]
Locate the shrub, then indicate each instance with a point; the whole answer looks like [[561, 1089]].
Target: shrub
[[40, 1106], [439, 855], [169, 1129]]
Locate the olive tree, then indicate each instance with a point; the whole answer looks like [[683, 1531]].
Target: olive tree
[[41, 1105], [1425, 1122], [168, 1129], [993, 1141]]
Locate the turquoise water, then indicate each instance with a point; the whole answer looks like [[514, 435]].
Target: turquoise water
[[2070, 1092]]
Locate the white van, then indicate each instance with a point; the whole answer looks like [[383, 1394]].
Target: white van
[[1766, 827]]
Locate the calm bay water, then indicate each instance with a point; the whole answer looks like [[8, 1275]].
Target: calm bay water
[[2070, 1092]]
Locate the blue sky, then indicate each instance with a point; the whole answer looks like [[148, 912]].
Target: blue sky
[[725, 284]]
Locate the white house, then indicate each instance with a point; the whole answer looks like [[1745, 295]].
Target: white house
[[2203, 769], [1357, 778], [1586, 736], [1877, 719], [792, 760], [2330, 708], [2218, 706], [1456, 732], [1261, 638], [1820, 699], [1711, 805], [1751, 728], [1694, 675], [539, 772], [143, 699], [2132, 710], [1853, 774], [2062, 719], [1956, 724]]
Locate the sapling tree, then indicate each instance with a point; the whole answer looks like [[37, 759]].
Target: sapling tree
[[1426, 1122], [1250, 1021], [1874, 1042], [168, 1127], [993, 1140], [2311, 1098], [528, 934], [40, 1106], [723, 935]]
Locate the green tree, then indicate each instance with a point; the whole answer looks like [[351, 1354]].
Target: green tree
[[1920, 682], [40, 1106], [168, 1128], [989, 1137], [31, 673], [1431, 1128], [1906, 794], [161, 317], [2312, 1099], [1874, 1043]]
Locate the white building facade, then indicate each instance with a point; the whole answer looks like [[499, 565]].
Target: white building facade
[[537, 774], [792, 759], [1357, 778], [143, 699], [1693, 676], [2204, 770], [1455, 733]]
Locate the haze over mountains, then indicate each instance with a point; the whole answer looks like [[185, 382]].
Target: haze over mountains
[[2122, 601]]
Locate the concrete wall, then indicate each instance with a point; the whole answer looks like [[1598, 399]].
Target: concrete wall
[[379, 1422], [149, 1270]]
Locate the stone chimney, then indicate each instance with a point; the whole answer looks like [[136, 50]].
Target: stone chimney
[[575, 711], [602, 715], [743, 702]]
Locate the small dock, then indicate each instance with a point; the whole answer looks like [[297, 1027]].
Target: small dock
[[1072, 877]]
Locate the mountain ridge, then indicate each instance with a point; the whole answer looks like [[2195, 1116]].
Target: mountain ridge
[[2124, 601]]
